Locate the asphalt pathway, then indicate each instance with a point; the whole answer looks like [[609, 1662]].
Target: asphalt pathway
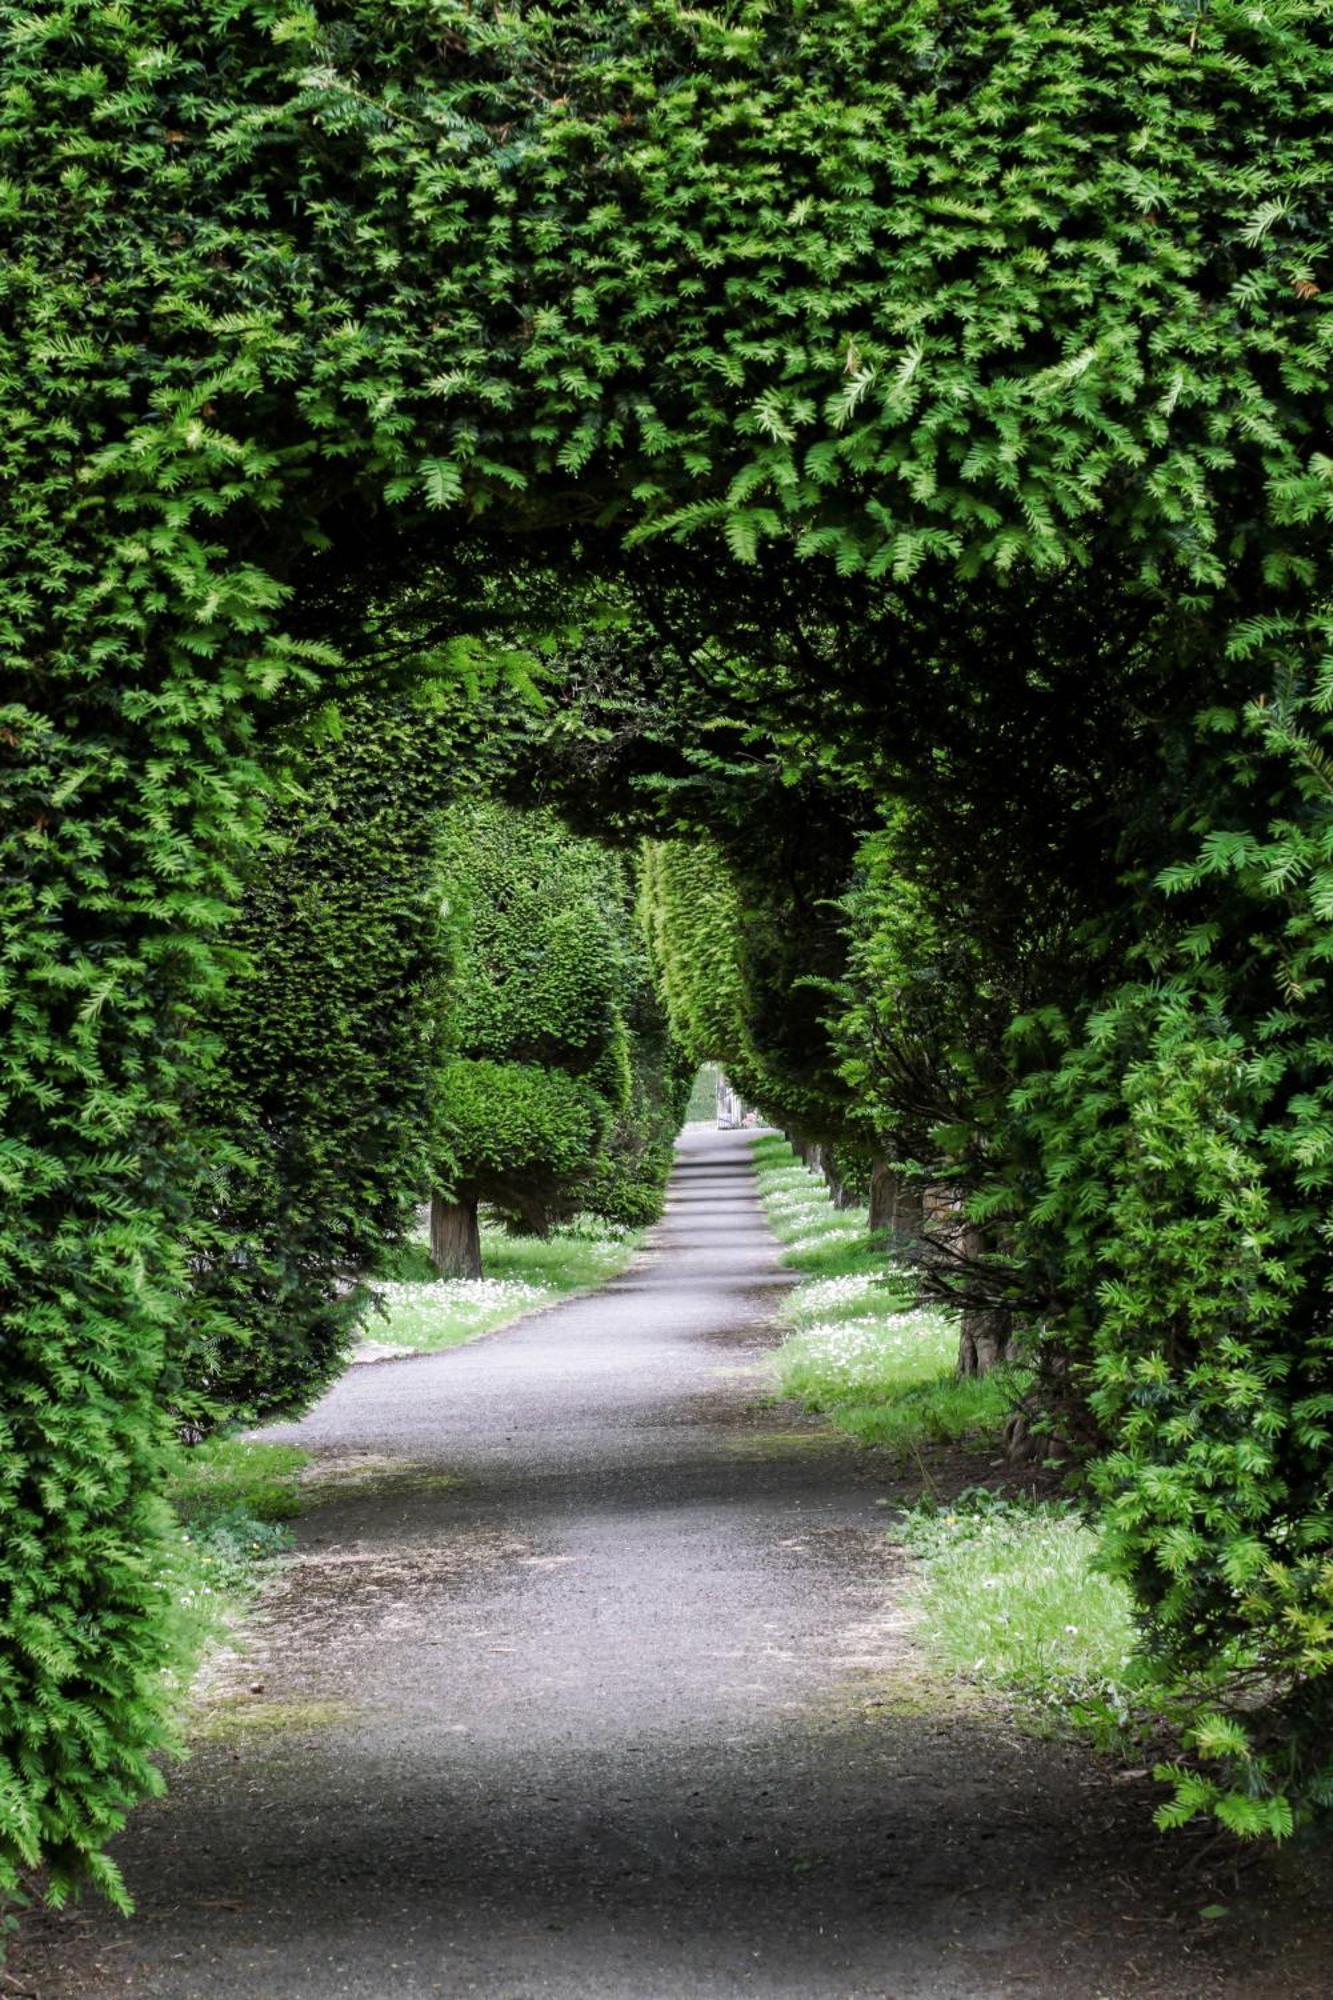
[[592, 1680]]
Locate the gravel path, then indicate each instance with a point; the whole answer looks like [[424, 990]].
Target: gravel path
[[592, 1681]]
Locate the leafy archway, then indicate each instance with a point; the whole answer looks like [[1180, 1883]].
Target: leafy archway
[[912, 294]]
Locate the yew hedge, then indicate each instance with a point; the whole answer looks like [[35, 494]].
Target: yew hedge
[[902, 290]]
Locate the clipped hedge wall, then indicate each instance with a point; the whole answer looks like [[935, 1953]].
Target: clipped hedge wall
[[321, 1102], [562, 1077], [901, 286]]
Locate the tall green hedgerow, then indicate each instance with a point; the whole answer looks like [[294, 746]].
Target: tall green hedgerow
[[560, 1089], [744, 950], [1181, 1207], [908, 291], [330, 1031]]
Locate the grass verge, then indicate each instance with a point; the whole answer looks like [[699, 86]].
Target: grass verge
[[233, 1498], [860, 1348], [422, 1313], [1011, 1597]]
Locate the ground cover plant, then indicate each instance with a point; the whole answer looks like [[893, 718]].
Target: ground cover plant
[[420, 1312], [969, 367], [1016, 1594], [233, 1497], [1014, 1598], [862, 1347]]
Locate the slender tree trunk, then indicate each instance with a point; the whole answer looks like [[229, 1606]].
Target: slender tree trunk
[[839, 1194], [983, 1340], [455, 1238], [896, 1213]]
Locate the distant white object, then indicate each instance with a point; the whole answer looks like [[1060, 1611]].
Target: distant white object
[[731, 1112]]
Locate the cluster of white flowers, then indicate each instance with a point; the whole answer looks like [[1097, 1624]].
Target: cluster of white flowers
[[597, 1229], [823, 1239], [783, 1207], [865, 1350], [827, 1294], [466, 1298]]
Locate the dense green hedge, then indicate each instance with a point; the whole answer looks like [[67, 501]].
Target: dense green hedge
[[321, 1101], [916, 290], [749, 951], [561, 1091]]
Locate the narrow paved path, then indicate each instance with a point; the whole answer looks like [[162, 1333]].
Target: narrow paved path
[[589, 1682]]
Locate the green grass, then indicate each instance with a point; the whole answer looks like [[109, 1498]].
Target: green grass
[[816, 1237], [233, 1498], [861, 1349], [423, 1313], [1011, 1597]]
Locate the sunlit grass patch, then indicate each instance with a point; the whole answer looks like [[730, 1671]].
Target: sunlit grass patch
[[815, 1236], [881, 1366], [443, 1312], [949, 1409], [888, 1377], [424, 1313], [1012, 1597], [225, 1474], [891, 1379]]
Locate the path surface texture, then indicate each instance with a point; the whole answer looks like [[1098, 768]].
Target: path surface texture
[[591, 1678]]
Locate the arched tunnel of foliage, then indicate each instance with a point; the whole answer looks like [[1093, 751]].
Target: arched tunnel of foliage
[[909, 421]]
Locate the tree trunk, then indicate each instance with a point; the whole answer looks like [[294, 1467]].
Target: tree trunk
[[941, 1223], [455, 1238], [895, 1209], [531, 1218], [839, 1193], [983, 1341]]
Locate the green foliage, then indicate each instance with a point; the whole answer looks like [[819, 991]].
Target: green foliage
[[741, 947], [562, 1089], [321, 1101], [996, 293], [1178, 1205], [1019, 1594], [517, 1133], [91, 1581], [691, 914], [626, 1183]]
